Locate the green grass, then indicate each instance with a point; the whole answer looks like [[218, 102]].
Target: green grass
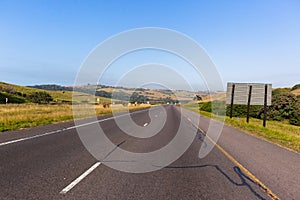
[[281, 133], [19, 116]]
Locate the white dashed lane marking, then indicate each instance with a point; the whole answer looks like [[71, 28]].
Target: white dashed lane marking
[[80, 178]]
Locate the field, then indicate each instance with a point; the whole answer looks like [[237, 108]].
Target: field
[[18, 116], [281, 133]]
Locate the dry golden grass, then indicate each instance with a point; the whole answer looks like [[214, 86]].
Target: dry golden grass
[[17, 116], [212, 97]]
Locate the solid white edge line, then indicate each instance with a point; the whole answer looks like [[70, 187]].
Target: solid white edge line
[[80, 178], [28, 138], [68, 128]]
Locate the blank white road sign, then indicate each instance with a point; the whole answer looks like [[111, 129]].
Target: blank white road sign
[[241, 92]]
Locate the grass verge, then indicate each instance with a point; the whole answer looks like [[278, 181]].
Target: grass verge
[[18, 116], [281, 133]]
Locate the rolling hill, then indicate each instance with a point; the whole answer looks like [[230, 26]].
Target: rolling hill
[[140, 95], [18, 94]]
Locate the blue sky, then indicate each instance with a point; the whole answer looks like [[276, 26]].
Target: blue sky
[[249, 41]]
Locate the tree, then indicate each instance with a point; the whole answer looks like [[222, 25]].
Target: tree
[[198, 97], [103, 93], [136, 97], [295, 87], [40, 97]]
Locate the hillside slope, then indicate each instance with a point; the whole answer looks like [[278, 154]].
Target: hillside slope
[[18, 94]]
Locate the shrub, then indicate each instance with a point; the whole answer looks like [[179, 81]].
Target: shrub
[[40, 97], [280, 90], [218, 107], [102, 93], [295, 87], [295, 118], [11, 98], [283, 105]]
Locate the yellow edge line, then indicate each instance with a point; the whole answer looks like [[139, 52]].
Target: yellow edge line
[[246, 171]]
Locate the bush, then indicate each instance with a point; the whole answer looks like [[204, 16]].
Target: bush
[[11, 98], [40, 97], [136, 97], [295, 118], [295, 87], [218, 107], [283, 106], [280, 90], [102, 93]]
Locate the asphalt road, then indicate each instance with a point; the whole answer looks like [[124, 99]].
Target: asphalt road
[[51, 162]]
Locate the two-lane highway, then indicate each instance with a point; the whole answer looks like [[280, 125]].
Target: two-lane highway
[[50, 162]]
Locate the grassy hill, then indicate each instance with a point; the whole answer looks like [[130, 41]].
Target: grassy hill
[[63, 94], [18, 94], [157, 95]]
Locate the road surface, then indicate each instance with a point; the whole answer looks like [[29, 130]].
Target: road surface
[[50, 162]]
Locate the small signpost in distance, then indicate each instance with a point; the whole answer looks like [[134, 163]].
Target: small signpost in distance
[[249, 94]]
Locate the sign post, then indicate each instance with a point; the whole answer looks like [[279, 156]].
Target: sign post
[[232, 98], [249, 100], [249, 94], [265, 105]]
